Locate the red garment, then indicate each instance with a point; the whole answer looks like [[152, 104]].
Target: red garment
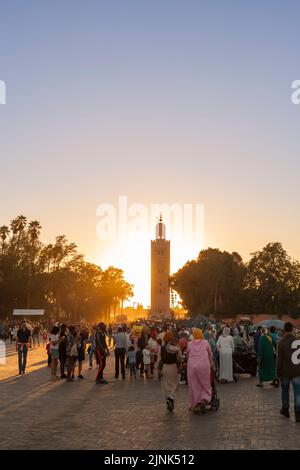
[[182, 343]]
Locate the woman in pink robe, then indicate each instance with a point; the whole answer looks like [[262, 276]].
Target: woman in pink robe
[[199, 371]]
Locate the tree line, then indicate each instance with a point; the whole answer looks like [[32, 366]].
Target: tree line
[[55, 276], [221, 284]]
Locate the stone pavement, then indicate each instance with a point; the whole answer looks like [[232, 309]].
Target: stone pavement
[[36, 413]]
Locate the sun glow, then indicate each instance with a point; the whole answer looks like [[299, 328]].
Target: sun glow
[[133, 256]]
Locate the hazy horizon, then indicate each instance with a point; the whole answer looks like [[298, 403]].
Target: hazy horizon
[[165, 102]]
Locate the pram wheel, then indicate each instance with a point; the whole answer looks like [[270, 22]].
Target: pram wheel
[[215, 405]]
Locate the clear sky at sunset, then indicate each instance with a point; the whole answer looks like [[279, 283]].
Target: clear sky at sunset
[[163, 101]]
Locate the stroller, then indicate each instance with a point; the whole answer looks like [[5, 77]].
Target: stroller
[[244, 361], [214, 404], [215, 401]]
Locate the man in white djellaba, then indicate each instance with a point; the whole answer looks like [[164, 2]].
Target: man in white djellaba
[[225, 346]]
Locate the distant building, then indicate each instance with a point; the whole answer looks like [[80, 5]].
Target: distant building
[[160, 273]]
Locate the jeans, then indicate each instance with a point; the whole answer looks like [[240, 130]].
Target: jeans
[[120, 358], [101, 366], [70, 362], [22, 353], [132, 367], [91, 353], [62, 360], [285, 389]]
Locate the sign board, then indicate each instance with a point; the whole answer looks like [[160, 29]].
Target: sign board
[[27, 312]]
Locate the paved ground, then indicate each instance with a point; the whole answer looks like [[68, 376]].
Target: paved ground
[[36, 413]]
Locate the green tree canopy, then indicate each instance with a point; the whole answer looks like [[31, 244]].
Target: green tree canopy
[[55, 276], [273, 281], [212, 284]]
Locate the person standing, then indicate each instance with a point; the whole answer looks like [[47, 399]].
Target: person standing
[[288, 370], [170, 362], [131, 354], [256, 339], [36, 334], [146, 361], [62, 351], [238, 340], [120, 352], [225, 347], [101, 352], [81, 344], [44, 336], [23, 341], [15, 332], [154, 350], [92, 347], [10, 334], [266, 359], [142, 342], [199, 371], [71, 351], [109, 334], [55, 341]]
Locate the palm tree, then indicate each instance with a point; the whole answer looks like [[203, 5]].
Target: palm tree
[[33, 231], [18, 226], [4, 232]]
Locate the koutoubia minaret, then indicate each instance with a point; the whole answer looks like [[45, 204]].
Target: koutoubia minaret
[[160, 273]]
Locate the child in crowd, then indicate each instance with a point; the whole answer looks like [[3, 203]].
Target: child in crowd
[[147, 361], [131, 356]]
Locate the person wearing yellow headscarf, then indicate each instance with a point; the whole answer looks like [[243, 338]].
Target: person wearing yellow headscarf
[[199, 371], [197, 333]]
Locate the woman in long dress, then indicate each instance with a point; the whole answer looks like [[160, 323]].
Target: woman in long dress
[[170, 362], [266, 359], [225, 346], [199, 371]]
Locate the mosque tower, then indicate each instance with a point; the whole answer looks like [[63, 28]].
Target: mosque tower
[[160, 273]]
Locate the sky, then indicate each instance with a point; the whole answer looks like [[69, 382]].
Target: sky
[[168, 101]]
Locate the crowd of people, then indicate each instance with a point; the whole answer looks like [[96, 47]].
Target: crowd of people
[[170, 353]]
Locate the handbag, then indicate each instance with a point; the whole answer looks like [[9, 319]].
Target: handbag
[[74, 351]]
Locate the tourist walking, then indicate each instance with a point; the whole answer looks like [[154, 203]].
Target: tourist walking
[[146, 361], [72, 352], [92, 347], [62, 351], [23, 341], [142, 342], [55, 340], [101, 352], [225, 347], [266, 359], [170, 362], [81, 343], [131, 355], [120, 352], [154, 350], [199, 371], [288, 370], [36, 334]]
